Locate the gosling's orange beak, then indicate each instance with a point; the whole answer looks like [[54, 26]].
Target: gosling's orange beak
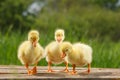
[[34, 43], [63, 55], [59, 39]]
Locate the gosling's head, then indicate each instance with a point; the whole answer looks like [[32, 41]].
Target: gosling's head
[[33, 37], [66, 48], [59, 35]]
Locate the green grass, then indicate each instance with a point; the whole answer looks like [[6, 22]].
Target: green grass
[[105, 54]]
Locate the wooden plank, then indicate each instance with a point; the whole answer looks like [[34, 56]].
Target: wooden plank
[[19, 72]]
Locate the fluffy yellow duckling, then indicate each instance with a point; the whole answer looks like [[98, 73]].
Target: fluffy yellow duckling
[[30, 51], [77, 54], [53, 51]]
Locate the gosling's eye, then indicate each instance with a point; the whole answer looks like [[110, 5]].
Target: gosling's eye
[[66, 50], [36, 37], [61, 34], [58, 35], [31, 38]]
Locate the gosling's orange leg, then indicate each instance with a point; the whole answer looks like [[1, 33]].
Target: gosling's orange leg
[[66, 68], [89, 65], [49, 67], [29, 71], [34, 70], [88, 71], [73, 72]]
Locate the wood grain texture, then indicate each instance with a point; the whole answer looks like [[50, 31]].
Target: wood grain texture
[[19, 72]]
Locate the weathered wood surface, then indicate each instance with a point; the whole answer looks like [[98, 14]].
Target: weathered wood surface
[[19, 72]]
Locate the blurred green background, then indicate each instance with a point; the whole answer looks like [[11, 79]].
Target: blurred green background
[[94, 22]]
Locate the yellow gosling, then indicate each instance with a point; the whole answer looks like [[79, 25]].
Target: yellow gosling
[[30, 51], [53, 51], [77, 54]]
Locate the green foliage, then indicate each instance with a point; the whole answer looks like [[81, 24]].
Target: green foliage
[[110, 4], [82, 21], [80, 18], [11, 14], [105, 54]]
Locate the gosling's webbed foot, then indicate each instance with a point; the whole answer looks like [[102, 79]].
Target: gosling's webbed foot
[[29, 72], [34, 71], [50, 70], [65, 70], [73, 72], [86, 72]]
